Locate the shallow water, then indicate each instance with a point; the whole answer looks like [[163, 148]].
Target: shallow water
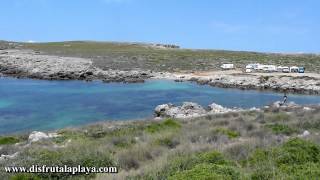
[[27, 105]]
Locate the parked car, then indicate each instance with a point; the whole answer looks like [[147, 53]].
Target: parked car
[[286, 70], [294, 69], [301, 70], [248, 70]]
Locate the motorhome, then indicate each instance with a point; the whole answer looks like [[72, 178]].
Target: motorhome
[[269, 68], [251, 67], [227, 66], [284, 69]]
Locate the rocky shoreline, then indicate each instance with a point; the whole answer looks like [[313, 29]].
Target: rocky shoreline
[[33, 64], [193, 110], [278, 83]]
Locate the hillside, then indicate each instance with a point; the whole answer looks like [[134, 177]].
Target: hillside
[[125, 56]]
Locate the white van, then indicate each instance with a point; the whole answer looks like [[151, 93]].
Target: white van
[[227, 66]]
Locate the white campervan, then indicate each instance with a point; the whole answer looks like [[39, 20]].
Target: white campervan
[[227, 66]]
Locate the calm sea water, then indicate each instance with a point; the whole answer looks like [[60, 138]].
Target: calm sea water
[[27, 105]]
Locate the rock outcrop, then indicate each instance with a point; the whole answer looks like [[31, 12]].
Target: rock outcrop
[[38, 136], [31, 64], [8, 156], [299, 84], [216, 108], [279, 104], [189, 110]]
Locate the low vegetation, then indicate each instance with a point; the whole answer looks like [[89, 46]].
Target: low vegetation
[[265, 144], [124, 56], [8, 140]]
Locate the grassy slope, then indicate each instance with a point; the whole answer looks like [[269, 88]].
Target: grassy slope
[[133, 55], [246, 145]]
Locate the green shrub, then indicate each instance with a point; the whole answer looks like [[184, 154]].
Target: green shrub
[[264, 172], [231, 134], [304, 171], [212, 157], [281, 129], [66, 134], [123, 131], [89, 155], [179, 163], [295, 151], [258, 156], [123, 142], [207, 171], [185, 162], [279, 117], [168, 142], [298, 151], [8, 140], [295, 159], [166, 124]]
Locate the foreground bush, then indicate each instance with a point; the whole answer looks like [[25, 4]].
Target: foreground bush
[[207, 171], [80, 154], [282, 129], [296, 158], [205, 165], [231, 134], [165, 125]]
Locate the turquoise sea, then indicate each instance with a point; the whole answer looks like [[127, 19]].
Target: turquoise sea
[[27, 105]]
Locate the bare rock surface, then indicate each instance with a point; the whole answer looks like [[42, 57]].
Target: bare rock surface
[[189, 110], [291, 83], [38, 136], [31, 64]]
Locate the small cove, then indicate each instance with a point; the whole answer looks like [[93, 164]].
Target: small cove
[[27, 105]]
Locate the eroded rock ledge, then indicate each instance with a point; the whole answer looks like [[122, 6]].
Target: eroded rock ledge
[[192, 110], [300, 84], [31, 64], [189, 110]]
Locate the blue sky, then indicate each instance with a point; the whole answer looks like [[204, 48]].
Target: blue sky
[[253, 25]]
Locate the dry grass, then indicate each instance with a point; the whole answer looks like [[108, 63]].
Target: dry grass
[[159, 149]]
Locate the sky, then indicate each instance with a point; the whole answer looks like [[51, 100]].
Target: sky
[[249, 25]]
